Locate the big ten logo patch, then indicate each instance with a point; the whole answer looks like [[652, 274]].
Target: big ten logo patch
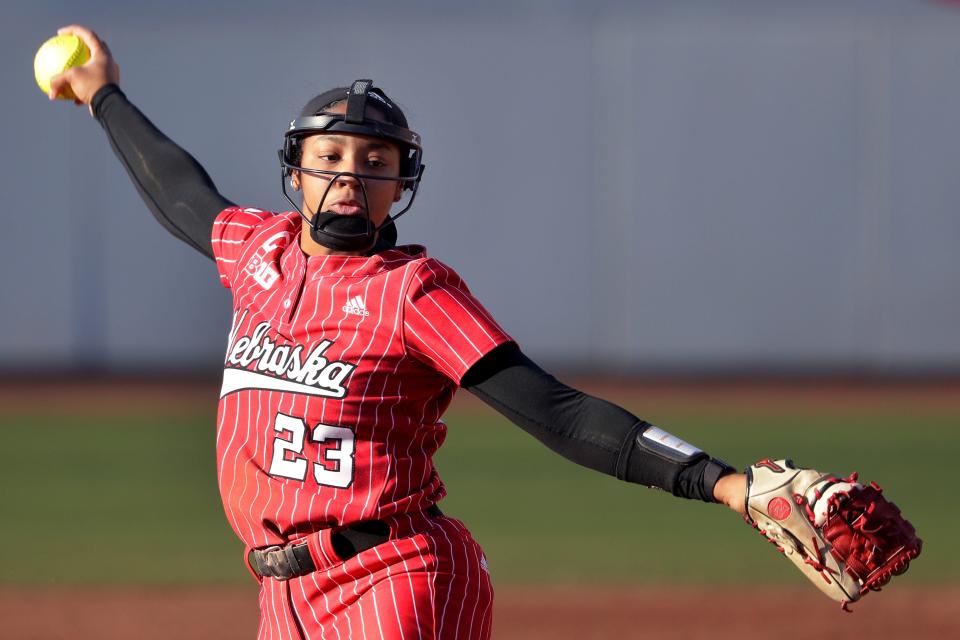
[[264, 272]]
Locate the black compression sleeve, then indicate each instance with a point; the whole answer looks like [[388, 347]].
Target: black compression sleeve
[[587, 430], [173, 185]]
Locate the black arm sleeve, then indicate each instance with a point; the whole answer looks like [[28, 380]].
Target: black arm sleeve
[[174, 186], [587, 430]]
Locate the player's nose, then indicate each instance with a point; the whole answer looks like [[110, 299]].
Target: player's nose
[[345, 179], [350, 164]]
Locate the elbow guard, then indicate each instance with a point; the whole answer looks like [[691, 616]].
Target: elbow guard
[[660, 460]]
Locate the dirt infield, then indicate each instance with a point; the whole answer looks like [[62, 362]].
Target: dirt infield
[[663, 614]]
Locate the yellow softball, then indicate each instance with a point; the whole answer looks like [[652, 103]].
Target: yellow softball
[[56, 55]]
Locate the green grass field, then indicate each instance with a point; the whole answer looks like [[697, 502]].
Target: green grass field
[[120, 499]]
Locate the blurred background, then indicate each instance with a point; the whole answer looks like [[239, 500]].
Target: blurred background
[[738, 218], [638, 187]]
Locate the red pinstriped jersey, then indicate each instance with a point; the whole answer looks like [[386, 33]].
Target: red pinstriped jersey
[[338, 369]]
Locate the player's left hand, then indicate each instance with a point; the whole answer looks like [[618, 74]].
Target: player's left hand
[[731, 490], [844, 536]]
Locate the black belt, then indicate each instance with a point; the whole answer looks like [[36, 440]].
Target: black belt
[[294, 560]]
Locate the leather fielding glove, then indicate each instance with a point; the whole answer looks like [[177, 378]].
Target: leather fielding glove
[[844, 536]]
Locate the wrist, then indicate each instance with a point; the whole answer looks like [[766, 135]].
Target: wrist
[[714, 471], [101, 94], [731, 490]]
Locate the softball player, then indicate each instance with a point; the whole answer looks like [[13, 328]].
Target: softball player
[[344, 352]]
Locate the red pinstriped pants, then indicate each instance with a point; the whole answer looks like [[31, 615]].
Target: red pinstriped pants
[[429, 580]]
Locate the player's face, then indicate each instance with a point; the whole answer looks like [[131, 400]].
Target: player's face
[[353, 154]]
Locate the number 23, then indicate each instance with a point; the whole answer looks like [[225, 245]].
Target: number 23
[[339, 456]]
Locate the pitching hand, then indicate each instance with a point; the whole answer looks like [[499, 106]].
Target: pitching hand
[[86, 80]]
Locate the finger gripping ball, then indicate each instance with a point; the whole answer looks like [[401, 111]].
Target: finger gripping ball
[[56, 55]]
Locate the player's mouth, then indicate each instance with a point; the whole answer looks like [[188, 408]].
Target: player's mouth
[[346, 207]]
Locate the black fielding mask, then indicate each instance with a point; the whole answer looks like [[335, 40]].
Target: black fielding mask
[[342, 232], [391, 112]]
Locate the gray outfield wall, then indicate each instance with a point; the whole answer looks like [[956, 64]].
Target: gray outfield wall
[[659, 186]]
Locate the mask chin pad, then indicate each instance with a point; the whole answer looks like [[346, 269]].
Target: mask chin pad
[[343, 233]]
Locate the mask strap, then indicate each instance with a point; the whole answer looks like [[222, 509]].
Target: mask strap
[[357, 101]]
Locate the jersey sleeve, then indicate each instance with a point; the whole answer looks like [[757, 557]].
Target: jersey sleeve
[[444, 325], [231, 230]]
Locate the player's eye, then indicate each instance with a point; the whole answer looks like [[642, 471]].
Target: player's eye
[[329, 157], [376, 163]]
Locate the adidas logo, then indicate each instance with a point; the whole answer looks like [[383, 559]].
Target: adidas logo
[[356, 307]]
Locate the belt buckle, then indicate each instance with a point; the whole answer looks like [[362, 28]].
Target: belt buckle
[[269, 568]]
